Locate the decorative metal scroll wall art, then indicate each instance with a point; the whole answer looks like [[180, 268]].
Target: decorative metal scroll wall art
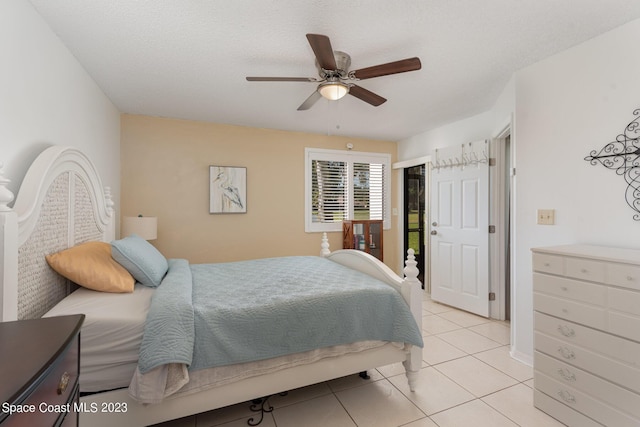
[[623, 156]]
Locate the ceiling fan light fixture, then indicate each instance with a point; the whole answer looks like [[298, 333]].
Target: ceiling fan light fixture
[[336, 80], [333, 90]]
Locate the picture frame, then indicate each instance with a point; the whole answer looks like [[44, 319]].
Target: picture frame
[[227, 189]]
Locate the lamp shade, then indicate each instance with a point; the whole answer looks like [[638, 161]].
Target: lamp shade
[[143, 226], [333, 90]]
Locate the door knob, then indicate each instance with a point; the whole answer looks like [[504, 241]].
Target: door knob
[[434, 232], [435, 224]]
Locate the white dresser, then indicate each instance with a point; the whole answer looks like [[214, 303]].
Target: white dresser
[[587, 334]]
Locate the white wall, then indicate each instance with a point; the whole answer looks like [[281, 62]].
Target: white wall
[[566, 106], [471, 129], [502, 112], [47, 98], [562, 108]]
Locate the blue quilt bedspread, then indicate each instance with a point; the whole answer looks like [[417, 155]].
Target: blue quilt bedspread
[[208, 315]]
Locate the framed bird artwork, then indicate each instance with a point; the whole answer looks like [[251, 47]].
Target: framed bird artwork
[[228, 189]]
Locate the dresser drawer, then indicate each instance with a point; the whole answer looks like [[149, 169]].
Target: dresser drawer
[[624, 301], [570, 289], [615, 396], [561, 411], [614, 347], [71, 419], [583, 402], [589, 315], [624, 314], [605, 367], [627, 276], [585, 269], [53, 390], [625, 325], [548, 263]]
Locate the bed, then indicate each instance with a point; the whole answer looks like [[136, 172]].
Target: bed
[[62, 204]]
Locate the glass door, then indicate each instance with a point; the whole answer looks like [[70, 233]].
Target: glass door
[[414, 214]]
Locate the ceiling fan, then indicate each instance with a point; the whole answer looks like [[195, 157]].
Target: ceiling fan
[[335, 78]]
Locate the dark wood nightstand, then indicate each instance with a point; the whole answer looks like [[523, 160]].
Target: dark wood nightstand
[[39, 371]]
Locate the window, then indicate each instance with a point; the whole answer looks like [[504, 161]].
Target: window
[[345, 185]]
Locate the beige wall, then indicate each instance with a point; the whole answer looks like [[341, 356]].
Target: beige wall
[[165, 173]]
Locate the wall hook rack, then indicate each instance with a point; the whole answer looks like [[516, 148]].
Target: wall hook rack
[[468, 157], [623, 156]]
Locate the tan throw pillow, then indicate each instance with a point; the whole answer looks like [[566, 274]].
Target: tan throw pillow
[[90, 265]]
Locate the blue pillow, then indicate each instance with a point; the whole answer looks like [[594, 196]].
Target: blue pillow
[[145, 263]]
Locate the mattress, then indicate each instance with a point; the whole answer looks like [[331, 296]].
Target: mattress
[[110, 336]]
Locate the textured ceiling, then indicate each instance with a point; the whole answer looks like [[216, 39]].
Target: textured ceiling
[[189, 59]]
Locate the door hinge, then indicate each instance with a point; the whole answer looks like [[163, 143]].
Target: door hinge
[[492, 229], [492, 161], [492, 296], [513, 171]]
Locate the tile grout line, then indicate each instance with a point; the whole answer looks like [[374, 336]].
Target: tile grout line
[[480, 398]]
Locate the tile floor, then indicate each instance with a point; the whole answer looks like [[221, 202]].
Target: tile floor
[[468, 379]]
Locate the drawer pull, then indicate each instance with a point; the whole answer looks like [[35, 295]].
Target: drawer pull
[[64, 382], [566, 353], [584, 271], [564, 288], [566, 331], [566, 375], [547, 264], [630, 278], [567, 397]]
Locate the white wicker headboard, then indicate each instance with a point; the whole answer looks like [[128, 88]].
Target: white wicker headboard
[[61, 203]]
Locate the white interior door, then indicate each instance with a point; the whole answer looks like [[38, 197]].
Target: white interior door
[[460, 229]]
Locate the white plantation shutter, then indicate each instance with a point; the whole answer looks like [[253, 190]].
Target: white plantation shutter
[[345, 185], [330, 191], [368, 191]]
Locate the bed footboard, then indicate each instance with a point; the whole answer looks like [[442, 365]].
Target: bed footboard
[[410, 288]]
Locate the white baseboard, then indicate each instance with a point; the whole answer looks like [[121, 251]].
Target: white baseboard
[[521, 357]]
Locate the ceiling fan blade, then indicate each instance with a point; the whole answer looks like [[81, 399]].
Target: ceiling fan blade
[[402, 66], [308, 103], [366, 95], [321, 46], [281, 79]]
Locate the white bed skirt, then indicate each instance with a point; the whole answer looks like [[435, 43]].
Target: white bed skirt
[[166, 380]]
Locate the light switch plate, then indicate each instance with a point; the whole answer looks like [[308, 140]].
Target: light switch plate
[[546, 216]]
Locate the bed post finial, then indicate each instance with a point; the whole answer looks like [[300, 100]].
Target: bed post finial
[[6, 196], [324, 246], [9, 253], [413, 287], [411, 265]]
